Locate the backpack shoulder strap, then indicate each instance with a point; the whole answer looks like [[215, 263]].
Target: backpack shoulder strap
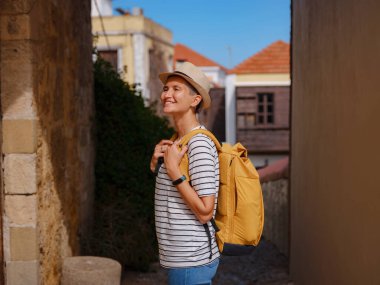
[[185, 140], [174, 137], [184, 165]]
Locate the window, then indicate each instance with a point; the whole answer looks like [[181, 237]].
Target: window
[[265, 109], [246, 115], [254, 110], [110, 56], [246, 120]]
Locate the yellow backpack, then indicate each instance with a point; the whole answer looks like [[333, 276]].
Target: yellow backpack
[[240, 212]]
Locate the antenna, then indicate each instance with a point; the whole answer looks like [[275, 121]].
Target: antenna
[[229, 49]]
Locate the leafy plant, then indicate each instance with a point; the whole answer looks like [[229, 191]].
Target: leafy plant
[[126, 133]]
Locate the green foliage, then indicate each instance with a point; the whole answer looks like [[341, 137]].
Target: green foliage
[[126, 133]]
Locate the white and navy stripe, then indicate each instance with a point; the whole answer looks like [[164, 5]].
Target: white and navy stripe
[[182, 239]]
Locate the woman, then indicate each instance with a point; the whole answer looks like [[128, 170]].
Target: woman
[[183, 207]]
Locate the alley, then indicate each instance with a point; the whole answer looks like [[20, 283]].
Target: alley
[[264, 266]]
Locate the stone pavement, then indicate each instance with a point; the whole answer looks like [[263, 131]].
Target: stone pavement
[[265, 266]]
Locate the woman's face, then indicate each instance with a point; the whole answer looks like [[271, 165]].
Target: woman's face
[[176, 96]]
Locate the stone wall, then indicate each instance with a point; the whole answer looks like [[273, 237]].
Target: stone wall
[[274, 182], [47, 108], [276, 208]]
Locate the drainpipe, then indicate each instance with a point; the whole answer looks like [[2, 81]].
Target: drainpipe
[[141, 65], [230, 109]]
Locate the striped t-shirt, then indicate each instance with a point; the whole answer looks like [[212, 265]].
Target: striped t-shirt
[[182, 239]]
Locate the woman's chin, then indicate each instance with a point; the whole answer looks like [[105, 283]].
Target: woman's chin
[[171, 110], [168, 109]]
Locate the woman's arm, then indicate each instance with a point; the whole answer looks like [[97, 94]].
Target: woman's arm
[[202, 207]]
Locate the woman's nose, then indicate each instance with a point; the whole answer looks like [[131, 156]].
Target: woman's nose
[[166, 94]]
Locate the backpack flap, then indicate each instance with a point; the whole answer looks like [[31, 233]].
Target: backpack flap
[[240, 150]]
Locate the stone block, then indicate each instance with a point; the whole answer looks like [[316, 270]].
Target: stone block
[[90, 270], [18, 102], [19, 136], [14, 52], [15, 27], [17, 80], [20, 174], [23, 243], [22, 272], [21, 209]]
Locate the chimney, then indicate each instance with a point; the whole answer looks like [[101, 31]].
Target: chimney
[[122, 12], [137, 11], [101, 8]]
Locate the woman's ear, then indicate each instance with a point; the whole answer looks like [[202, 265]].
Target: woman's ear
[[196, 101]]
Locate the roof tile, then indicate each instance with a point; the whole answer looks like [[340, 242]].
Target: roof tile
[[182, 52], [275, 58]]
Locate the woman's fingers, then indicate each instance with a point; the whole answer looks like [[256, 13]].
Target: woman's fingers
[[163, 145], [163, 148], [177, 150], [166, 142], [159, 151], [183, 151]]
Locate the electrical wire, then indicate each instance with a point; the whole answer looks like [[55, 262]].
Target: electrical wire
[[102, 24]]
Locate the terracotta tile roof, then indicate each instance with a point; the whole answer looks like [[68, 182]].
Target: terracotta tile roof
[[182, 52], [275, 58]]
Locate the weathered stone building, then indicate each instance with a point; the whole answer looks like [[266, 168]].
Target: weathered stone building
[[46, 133]]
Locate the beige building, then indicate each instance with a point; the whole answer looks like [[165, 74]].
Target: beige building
[[335, 140], [136, 46]]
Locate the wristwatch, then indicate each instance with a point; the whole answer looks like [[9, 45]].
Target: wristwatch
[[179, 180]]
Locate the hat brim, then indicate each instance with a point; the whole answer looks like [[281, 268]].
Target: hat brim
[[205, 95]]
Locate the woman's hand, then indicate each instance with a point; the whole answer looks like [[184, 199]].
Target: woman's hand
[[172, 157], [159, 151]]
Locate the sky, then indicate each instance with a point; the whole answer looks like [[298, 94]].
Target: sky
[[226, 31]]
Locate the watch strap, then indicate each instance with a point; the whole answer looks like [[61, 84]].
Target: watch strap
[[179, 180]]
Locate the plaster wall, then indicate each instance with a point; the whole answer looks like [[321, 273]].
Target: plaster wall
[[215, 74], [267, 77], [335, 136], [136, 36]]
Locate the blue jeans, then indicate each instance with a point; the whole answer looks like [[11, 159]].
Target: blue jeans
[[198, 275]]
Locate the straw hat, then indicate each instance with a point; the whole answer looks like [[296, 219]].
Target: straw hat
[[195, 77]]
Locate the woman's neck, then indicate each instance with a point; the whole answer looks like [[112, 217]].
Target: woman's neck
[[185, 124]]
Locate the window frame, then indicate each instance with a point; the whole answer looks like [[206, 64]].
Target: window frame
[[263, 107]]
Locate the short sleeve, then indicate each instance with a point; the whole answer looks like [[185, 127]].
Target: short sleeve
[[202, 165]]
